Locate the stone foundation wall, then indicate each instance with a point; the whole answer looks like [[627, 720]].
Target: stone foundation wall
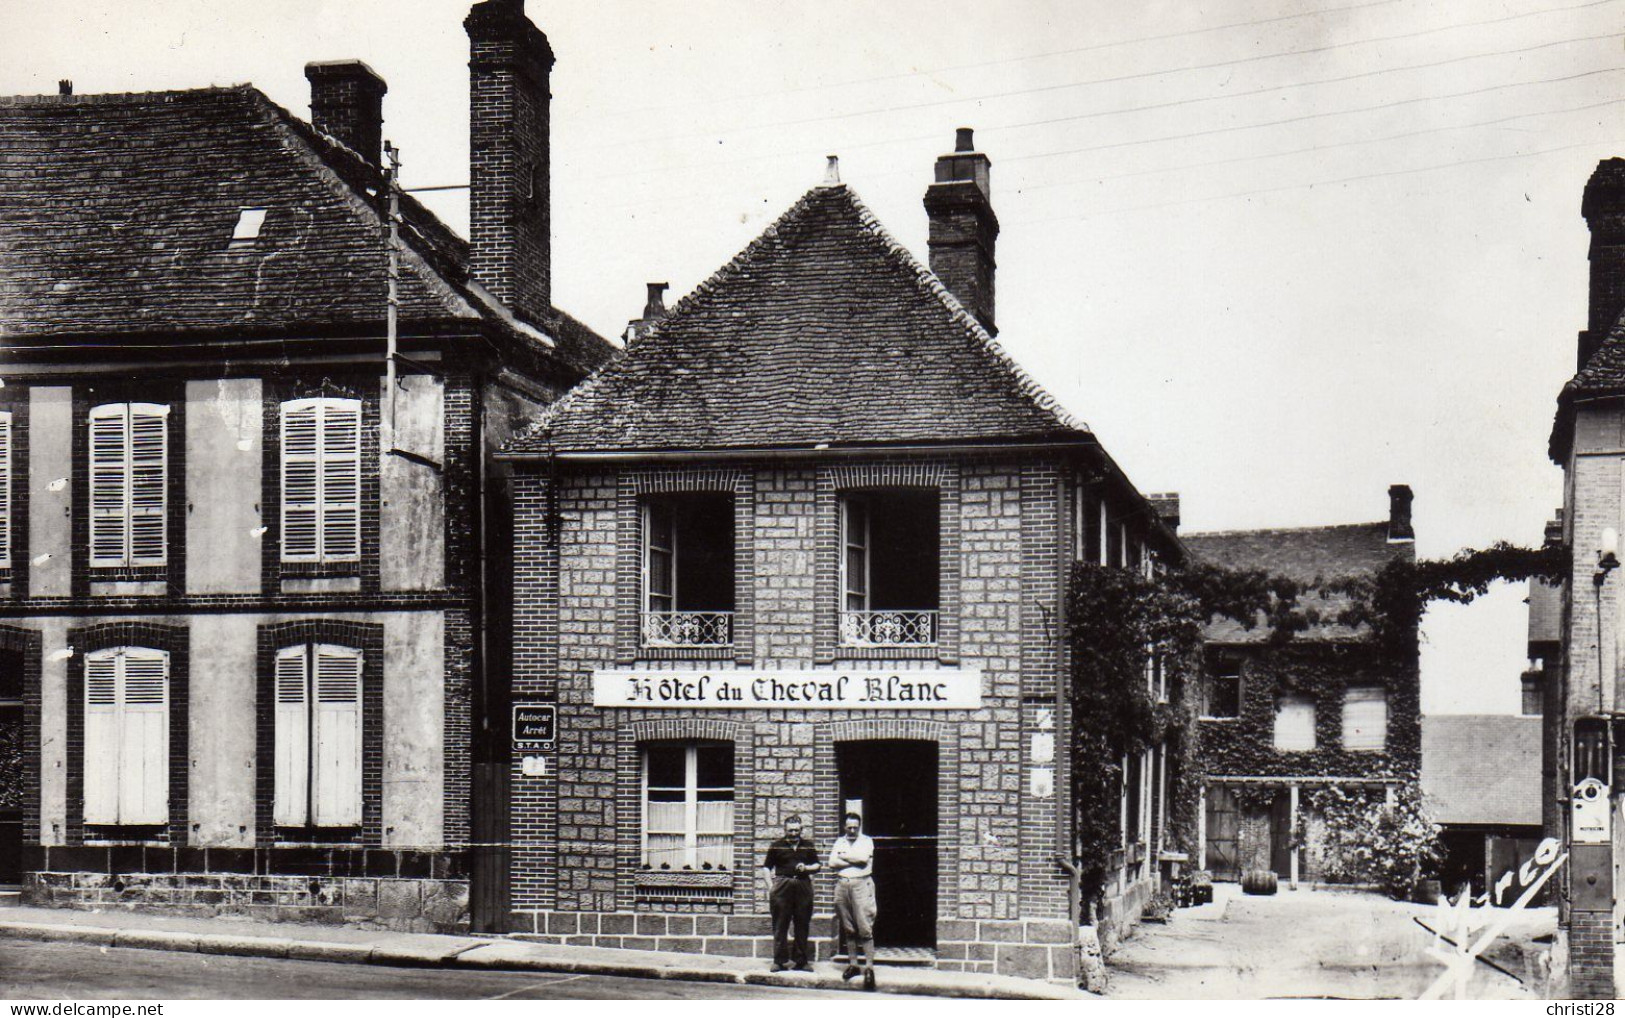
[[1031, 948], [405, 905]]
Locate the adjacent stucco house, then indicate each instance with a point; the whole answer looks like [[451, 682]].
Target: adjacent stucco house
[[243, 582]]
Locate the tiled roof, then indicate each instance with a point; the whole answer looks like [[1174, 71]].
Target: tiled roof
[[116, 213], [1305, 554], [1482, 768], [823, 330]]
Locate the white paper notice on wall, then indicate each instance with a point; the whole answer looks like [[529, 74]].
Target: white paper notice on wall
[[1043, 747], [867, 688], [1042, 785], [533, 766]]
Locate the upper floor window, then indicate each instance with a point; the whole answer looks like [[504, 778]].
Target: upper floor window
[[1295, 723], [688, 805], [688, 570], [1533, 691], [1221, 688], [1365, 719], [129, 446], [321, 480], [318, 736], [126, 750], [890, 576]]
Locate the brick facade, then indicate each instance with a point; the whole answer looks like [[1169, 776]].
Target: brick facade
[[1005, 543]]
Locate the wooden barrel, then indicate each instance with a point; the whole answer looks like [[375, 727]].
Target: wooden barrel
[[1258, 882]]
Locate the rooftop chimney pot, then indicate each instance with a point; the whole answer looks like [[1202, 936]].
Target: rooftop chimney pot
[[655, 306], [832, 171], [963, 140], [64, 86], [347, 102]]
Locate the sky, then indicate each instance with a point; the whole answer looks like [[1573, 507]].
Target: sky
[[1278, 255]]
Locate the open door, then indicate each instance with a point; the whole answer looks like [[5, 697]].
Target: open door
[[892, 783]]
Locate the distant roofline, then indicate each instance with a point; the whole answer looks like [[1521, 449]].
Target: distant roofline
[[1284, 530], [86, 98]]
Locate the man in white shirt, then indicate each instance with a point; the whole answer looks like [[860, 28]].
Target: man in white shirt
[[852, 859]]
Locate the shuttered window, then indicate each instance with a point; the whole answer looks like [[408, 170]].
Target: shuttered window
[[688, 806], [5, 489], [1295, 723], [129, 474], [321, 480], [318, 736], [126, 761], [1365, 719]]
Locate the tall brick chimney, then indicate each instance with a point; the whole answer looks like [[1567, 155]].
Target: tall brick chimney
[[510, 243], [347, 102], [1399, 513], [1604, 211], [964, 228]]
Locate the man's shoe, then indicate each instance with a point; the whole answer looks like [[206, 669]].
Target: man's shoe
[[804, 967], [851, 970], [780, 966], [869, 980]]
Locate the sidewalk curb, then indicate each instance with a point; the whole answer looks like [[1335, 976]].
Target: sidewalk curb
[[473, 954]]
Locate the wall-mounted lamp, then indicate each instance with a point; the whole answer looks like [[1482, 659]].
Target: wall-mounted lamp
[[1607, 556]]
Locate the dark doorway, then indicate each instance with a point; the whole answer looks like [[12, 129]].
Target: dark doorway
[[1223, 825], [893, 784], [1281, 834], [11, 767]]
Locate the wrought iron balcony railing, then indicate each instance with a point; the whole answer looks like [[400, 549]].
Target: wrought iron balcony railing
[[889, 629], [687, 629]]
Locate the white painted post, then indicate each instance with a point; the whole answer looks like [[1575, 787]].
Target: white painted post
[[1201, 829]]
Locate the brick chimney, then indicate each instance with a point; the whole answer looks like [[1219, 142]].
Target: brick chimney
[[1166, 505], [654, 309], [963, 227], [1399, 513], [347, 102], [510, 244], [1604, 211]]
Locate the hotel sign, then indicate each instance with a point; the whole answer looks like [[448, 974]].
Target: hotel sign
[[829, 689]]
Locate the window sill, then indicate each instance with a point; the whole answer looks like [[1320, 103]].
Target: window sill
[[1219, 717], [709, 652], [902, 652]]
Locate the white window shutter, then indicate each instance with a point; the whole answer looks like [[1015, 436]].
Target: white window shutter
[[148, 483], [144, 752], [300, 421], [101, 748], [1365, 719], [341, 480], [337, 777], [291, 800], [5, 489], [109, 484]]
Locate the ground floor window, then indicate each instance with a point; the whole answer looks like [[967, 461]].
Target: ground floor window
[[126, 761], [318, 736], [688, 805]]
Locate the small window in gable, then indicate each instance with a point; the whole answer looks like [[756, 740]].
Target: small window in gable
[[248, 225]]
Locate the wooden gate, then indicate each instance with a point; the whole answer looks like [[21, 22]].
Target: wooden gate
[[489, 862], [1223, 831]]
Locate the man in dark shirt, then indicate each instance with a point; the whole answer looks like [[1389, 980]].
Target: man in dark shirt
[[791, 861]]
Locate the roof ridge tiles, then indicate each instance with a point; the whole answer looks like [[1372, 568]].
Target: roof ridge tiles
[[104, 98]]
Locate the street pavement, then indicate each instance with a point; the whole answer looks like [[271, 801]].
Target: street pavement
[[1313, 943], [32, 970]]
